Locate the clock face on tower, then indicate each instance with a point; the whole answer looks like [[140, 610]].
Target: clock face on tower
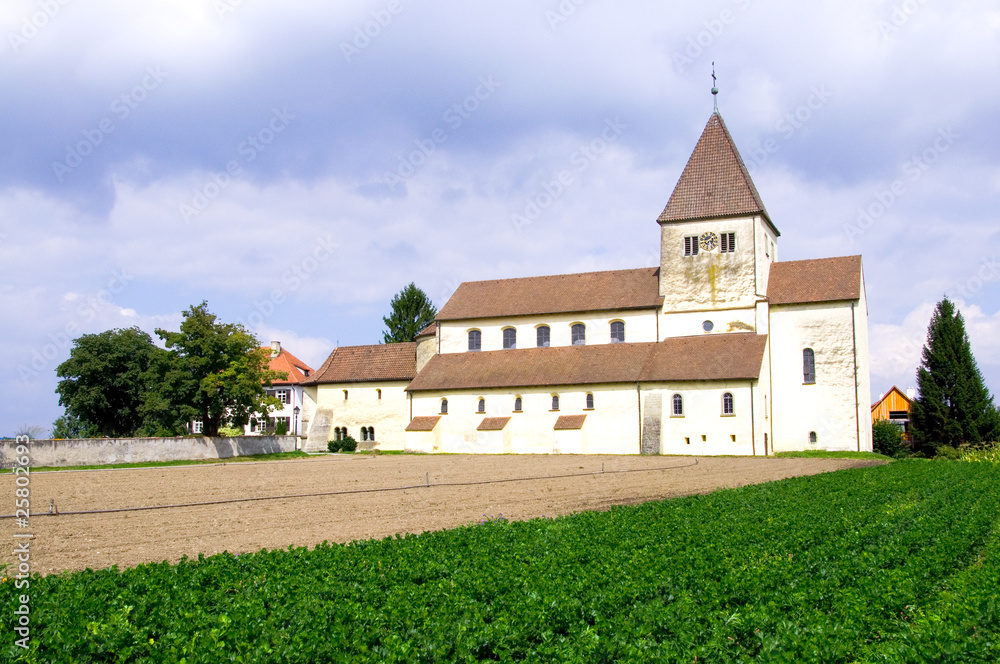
[[709, 241]]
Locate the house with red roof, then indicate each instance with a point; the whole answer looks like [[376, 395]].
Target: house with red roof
[[721, 349], [288, 391]]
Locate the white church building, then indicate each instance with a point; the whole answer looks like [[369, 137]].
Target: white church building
[[722, 349]]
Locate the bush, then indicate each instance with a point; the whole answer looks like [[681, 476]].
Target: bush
[[887, 438], [947, 452], [230, 432], [281, 429], [345, 444]]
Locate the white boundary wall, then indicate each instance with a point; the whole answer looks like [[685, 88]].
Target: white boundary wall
[[102, 451]]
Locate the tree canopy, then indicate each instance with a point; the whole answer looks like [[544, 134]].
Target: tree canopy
[[105, 382], [215, 371], [953, 406], [412, 311]]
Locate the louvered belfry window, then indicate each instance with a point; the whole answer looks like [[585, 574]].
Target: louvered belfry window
[[727, 242], [691, 245]]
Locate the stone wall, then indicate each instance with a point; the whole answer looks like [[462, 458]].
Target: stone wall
[[102, 451]]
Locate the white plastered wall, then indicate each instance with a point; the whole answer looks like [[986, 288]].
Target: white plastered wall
[[389, 414], [612, 427], [690, 323], [703, 417], [640, 326], [835, 406]]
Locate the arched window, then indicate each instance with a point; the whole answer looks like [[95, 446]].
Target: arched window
[[364, 433], [590, 401], [475, 340], [345, 395], [336, 433], [378, 394], [728, 405], [617, 332], [517, 404], [808, 366], [444, 406], [555, 402], [482, 406], [371, 433], [509, 338], [579, 334], [678, 403], [542, 334], [812, 437]]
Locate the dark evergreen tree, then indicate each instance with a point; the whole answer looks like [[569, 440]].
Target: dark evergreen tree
[[953, 405], [412, 311]]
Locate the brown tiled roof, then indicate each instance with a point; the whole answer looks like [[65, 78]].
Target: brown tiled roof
[[425, 423], [428, 331], [708, 357], [561, 293], [731, 356], [493, 424], [296, 369], [715, 182], [362, 364], [816, 280], [568, 422]]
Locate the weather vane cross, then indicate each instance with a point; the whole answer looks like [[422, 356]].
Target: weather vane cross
[[715, 88]]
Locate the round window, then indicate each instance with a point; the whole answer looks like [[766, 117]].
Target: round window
[[708, 326]]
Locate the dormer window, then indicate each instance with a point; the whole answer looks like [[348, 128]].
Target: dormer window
[[691, 245]]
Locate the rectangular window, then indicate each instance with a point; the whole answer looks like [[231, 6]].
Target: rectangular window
[[691, 245], [282, 396], [197, 426], [543, 336], [727, 242], [509, 338]]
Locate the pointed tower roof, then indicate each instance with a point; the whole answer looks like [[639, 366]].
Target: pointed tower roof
[[715, 182]]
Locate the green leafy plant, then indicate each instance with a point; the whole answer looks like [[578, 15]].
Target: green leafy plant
[[887, 438], [281, 429], [230, 432]]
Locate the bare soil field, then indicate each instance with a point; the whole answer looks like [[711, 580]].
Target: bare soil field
[[79, 541]]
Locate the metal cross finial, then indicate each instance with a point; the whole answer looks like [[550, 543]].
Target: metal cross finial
[[715, 89]]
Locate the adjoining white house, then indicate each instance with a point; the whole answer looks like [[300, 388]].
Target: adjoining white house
[[720, 350], [288, 391]]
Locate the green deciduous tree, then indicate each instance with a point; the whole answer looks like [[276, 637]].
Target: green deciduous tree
[[69, 425], [104, 382], [215, 371], [887, 438], [411, 312], [953, 405]]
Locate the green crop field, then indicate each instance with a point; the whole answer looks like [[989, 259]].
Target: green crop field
[[895, 563]]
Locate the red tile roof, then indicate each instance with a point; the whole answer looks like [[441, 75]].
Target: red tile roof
[[297, 370], [816, 280], [561, 293], [430, 330], [423, 423], [715, 181], [708, 357], [569, 422], [363, 364], [493, 424]]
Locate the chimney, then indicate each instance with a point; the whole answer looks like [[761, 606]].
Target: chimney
[[275, 349], [911, 393]]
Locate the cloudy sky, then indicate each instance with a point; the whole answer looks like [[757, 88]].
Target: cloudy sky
[[295, 164]]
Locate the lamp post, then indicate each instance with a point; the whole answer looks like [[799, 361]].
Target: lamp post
[[295, 421]]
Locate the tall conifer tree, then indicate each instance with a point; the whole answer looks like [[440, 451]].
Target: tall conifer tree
[[411, 312], [953, 405]]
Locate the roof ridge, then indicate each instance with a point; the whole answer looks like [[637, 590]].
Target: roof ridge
[[567, 274]]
